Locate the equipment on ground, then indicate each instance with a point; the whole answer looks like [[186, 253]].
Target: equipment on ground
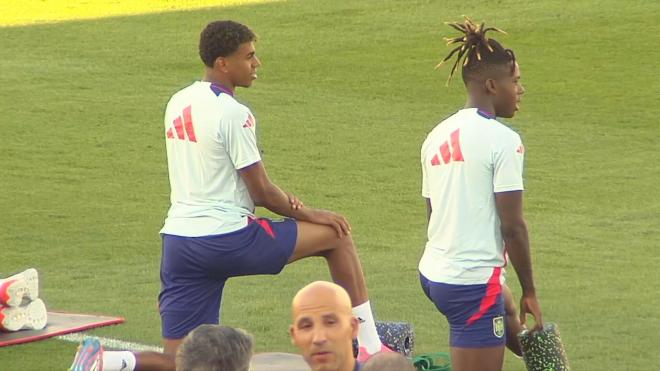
[[543, 350]]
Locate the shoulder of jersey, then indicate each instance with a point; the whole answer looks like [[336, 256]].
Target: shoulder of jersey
[[498, 126], [231, 105], [235, 108]]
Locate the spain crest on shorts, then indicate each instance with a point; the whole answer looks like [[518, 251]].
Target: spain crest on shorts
[[498, 326]]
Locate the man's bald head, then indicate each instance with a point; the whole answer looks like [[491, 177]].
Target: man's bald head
[[321, 293]]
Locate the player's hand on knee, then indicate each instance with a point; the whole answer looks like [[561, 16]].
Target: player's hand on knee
[[336, 221], [530, 304], [294, 201]]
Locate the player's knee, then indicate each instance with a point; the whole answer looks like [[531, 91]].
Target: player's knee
[[347, 243], [343, 244]]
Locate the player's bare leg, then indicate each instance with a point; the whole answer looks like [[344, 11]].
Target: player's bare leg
[[477, 359], [340, 253], [153, 361], [92, 356], [171, 345], [513, 326]]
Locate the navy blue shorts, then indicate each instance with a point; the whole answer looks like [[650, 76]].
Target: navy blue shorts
[[475, 312], [194, 270]]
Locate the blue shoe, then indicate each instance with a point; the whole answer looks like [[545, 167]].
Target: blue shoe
[[89, 356]]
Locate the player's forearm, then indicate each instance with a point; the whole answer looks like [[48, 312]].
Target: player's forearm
[[517, 243], [275, 200]]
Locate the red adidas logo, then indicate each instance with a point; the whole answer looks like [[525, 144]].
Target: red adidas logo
[[521, 149], [249, 122], [183, 126], [449, 150]]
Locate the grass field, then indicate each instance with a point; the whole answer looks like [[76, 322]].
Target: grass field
[[346, 94]]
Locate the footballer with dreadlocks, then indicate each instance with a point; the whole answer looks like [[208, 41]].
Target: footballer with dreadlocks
[[472, 183]]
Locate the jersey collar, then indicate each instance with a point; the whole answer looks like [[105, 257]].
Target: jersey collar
[[218, 89], [485, 114]]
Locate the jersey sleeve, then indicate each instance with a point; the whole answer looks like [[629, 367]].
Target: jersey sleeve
[[508, 165], [239, 133]]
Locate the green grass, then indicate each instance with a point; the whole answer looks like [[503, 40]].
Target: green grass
[[346, 95]]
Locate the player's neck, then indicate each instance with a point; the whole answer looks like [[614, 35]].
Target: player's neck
[[481, 103], [223, 81]]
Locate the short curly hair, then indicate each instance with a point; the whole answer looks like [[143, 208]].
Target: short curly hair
[[222, 38]]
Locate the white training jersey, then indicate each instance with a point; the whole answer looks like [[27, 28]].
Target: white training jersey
[[466, 159], [209, 136]]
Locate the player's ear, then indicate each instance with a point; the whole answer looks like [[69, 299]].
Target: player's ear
[[491, 86], [220, 64], [293, 340], [355, 324]]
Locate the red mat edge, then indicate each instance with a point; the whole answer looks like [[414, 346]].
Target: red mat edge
[[114, 321]]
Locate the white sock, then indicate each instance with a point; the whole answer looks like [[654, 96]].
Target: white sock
[[367, 334], [118, 361]]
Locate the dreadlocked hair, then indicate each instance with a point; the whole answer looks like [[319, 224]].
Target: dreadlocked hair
[[477, 52]]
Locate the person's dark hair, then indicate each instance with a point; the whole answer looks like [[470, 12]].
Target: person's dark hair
[[222, 38], [215, 348], [481, 57]]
